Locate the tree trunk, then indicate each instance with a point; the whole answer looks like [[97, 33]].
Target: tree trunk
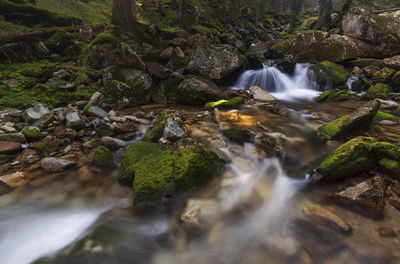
[[145, 5], [124, 14], [345, 9], [324, 20], [294, 10]]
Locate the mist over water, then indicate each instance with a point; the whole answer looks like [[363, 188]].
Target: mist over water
[[301, 86]]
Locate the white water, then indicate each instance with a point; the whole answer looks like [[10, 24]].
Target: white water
[[27, 235], [300, 86]]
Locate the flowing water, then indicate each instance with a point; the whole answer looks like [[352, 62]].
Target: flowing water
[[251, 212], [301, 85]]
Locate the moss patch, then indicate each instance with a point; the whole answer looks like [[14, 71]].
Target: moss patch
[[224, 104], [384, 116], [236, 134], [102, 157], [379, 90], [336, 73], [334, 128], [157, 173], [158, 129], [385, 75], [31, 133], [390, 166], [333, 95]]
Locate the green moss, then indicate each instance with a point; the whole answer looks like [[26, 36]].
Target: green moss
[[386, 150], [379, 90], [102, 157], [361, 84], [384, 116], [334, 128], [350, 159], [333, 95], [40, 147], [390, 166], [396, 81], [236, 134], [86, 109], [224, 104], [158, 129], [385, 75], [157, 173], [205, 30], [336, 73], [31, 133]]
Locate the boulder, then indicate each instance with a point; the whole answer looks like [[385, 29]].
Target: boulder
[[167, 53], [365, 198], [156, 173], [392, 62], [7, 147], [172, 131], [16, 179], [261, 95], [97, 112], [224, 104], [352, 158], [128, 86], [327, 72], [215, 61], [50, 164], [361, 84], [359, 119], [197, 91], [74, 120], [33, 114]]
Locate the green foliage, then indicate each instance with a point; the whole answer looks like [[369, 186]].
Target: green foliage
[[157, 173], [224, 104], [102, 157], [236, 134]]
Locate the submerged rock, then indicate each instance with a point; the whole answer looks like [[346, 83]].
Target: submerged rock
[[324, 217], [365, 198], [359, 119], [16, 179], [157, 173], [50, 164]]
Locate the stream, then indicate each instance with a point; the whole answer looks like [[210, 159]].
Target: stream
[[251, 212]]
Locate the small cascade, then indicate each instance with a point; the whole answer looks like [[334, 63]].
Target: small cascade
[[302, 85], [350, 81]]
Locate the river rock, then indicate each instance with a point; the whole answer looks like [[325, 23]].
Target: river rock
[[97, 112], [50, 164], [97, 99], [268, 146], [16, 179], [198, 91], [112, 143], [324, 217], [29, 156], [199, 213], [158, 70], [8, 128], [33, 114], [387, 104], [359, 119], [13, 137], [261, 95], [215, 61], [45, 120], [365, 198], [9, 147], [74, 120], [172, 131]]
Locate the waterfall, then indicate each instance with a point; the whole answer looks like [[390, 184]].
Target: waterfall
[[301, 85]]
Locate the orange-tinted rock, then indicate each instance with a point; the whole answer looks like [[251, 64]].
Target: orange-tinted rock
[[9, 147]]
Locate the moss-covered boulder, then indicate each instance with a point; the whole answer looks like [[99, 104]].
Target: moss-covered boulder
[[327, 71], [352, 158], [333, 95], [237, 134], [157, 172], [224, 104], [361, 84], [357, 120], [102, 157], [384, 75], [31, 133], [378, 91]]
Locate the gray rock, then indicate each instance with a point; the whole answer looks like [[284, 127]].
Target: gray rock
[[172, 131], [45, 120], [33, 114], [10, 82], [97, 99], [261, 95], [178, 42], [62, 74], [112, 143], [13, 137], [86, 33], [50, 164], [167, 53], [74, 120], [42, 51], [97, 112]]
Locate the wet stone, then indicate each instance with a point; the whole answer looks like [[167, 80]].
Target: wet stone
[[16, 179], [50, 164], [9, 147], [322, 216], [13, 137]]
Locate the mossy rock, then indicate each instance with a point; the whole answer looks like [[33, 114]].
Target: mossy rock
[[385, 116], [384, 75], [102, 157], [352, 158], [157, 173], [334, 128], [155, 133], [335, 72], [392, 167], [386, 150], [31, 133], [237, 134], [224, 104], [333, 95], [361, 84], [396, 81], [380, 90]]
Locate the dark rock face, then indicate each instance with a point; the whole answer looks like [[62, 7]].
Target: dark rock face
[[197, 91], [365, 198], [215, 61]]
